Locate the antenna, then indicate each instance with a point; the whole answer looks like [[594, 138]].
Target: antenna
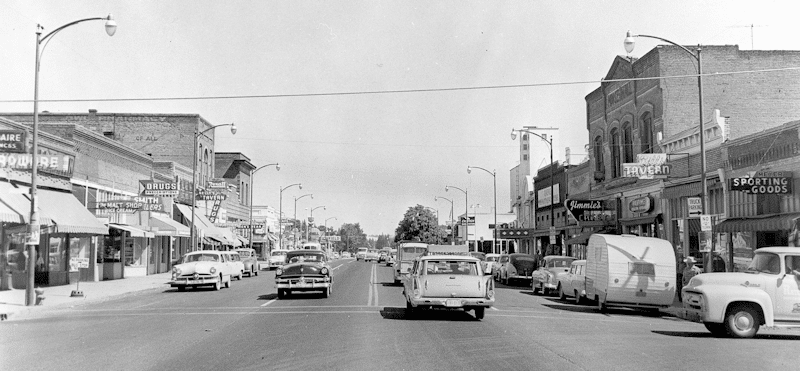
[[752, 26]]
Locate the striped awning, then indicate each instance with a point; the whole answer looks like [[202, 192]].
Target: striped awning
[[775, 222]]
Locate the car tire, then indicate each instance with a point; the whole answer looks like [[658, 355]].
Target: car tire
[[281, 293], [241, 274], [507, 280], [578, 299], [327, 292], [561, 294], [480, 312], [742, 321], [254, 272], [229, 281], [181, 288], [716, 329], [410, 310], [218, 284]]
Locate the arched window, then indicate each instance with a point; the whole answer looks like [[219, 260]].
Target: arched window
[[627, 143], [599, 165], [615, 155], [646, 122]]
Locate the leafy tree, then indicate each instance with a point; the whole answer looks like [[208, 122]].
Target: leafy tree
[[419, 223], [352, 236], [383, 241]]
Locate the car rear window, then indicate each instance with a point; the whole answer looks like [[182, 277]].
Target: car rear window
[[451, 267], [560, 263]]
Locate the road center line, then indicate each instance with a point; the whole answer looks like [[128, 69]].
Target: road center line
[[369, 287], [269, 302], [375, 283]]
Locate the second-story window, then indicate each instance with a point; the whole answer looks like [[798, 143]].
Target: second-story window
[[646, 122], [627, 143], [615, 156], [599, 165]]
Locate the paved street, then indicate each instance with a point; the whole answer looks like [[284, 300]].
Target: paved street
[[362, 326]]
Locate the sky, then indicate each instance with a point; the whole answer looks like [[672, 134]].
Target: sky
[[374, 106]]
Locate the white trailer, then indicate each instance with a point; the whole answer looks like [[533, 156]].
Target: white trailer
[[630, 271]]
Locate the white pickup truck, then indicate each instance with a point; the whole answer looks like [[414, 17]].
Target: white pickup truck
[[737, 304]]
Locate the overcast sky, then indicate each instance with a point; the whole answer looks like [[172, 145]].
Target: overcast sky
[[367, 157]]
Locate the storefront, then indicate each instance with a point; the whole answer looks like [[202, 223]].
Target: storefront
[[135, 246], [171, 235]]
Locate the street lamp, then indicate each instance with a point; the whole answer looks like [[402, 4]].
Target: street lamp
[[476, 207], [630, 43], [295, 210], [278, 168], [494, 230], [435, 198], [280, 213], [33, 223], [311, 219], [552, 171], [327, 242], [193, 236], [466, 211]]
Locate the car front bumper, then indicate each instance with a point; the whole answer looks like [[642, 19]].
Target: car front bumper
[[192, 281], [303, 283]]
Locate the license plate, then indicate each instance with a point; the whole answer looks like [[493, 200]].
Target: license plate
[[452, 303], [641, 293]]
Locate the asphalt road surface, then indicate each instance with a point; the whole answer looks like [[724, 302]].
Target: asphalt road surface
[[362, 326]]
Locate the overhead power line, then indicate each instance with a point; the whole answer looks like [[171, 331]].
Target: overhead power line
[[406, 91]]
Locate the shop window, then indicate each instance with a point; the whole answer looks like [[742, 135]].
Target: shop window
[[79, 247], [135, 251], [56, 255], [112, 246]]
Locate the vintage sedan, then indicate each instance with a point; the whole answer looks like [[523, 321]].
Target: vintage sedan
[[304, 270], [237, 266], [545, 278], [448, 282], [202, 268], [518, 267], [276, 258], [573, 284], [250, 261]]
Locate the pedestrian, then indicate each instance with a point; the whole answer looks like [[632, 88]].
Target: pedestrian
[[690, 271]]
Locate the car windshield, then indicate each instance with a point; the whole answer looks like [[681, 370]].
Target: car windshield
[[492, 258], [559, 263], [478, 255], [765, 263], [278, 253], [524, 258], [201, 258], [451, 267], [300, 258]]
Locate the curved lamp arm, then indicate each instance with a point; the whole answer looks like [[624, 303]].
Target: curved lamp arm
[[630, 43]]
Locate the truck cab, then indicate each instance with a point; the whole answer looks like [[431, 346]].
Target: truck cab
[[737, 304]]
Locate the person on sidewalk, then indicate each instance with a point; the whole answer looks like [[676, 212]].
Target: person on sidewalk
[[690, 271]]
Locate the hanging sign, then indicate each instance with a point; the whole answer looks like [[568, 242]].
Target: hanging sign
[[153, 188], [12, 141]]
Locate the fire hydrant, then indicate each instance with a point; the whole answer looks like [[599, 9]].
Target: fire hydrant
[[39, 295]]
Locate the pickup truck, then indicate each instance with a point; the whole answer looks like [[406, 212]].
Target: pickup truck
[[737, 304]]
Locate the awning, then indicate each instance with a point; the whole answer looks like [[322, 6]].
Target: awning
[[211, 241], [168, 227], [135, 232], [201, 222], [581, 239], [68, 214], [15, 206], [229, 238], [683, 190], [243, 240], [272, 237], [648, 219], [779, 222]]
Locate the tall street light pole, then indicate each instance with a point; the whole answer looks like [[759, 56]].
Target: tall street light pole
[[295, 210], [312, 218], [475, 212], [193, 236], [452, 226], [552, 181], [466, 211], [494, 230], [278, 168], [630, 43], [33, 223], [280, 213]]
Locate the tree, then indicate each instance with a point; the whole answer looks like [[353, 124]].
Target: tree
[[352, 236], [383, 241], [418, 223]]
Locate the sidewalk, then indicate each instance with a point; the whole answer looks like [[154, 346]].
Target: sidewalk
[[12, 302]]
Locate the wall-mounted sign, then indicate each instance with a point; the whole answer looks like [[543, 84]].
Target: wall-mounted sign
[[515, 233], [53, 164], [462, 221], [764, 182], [129, 206], [12, 141], [217, 183], [153, 188], [648, 166], [641, 204], [211, 196], [543, 196], [247, 226]]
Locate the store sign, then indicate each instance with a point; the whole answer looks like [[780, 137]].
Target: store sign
[[247, 226], [129, 206], [515, 233], [587, 210], [57, 164], [12, 141], [648, 166], [764, 182], [543, 196], [462, 221], [211, 196], [153, 188], [641, 204], [217, 183]]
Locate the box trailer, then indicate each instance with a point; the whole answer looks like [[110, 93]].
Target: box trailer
[[630, 271]]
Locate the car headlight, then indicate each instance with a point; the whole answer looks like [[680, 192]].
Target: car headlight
[[278, 271], [176, 270], [213, 270], [324, 271]]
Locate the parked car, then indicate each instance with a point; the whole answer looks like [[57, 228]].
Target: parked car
[[250, 261], [276, 258], [491, 261], [392, 258], [630, 271], [573, 284], [497, 269], [448, 282], [236, 263], [383, 256], [372, 255], [202, 268], [545, 278], [518, 267], [346, 255], [304, 270], [736, 304], [361, 253]]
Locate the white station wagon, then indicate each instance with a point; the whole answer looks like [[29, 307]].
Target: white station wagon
[[448, 281], [202, 268]]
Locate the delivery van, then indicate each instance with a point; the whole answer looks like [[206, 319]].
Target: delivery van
[[630, 271]]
